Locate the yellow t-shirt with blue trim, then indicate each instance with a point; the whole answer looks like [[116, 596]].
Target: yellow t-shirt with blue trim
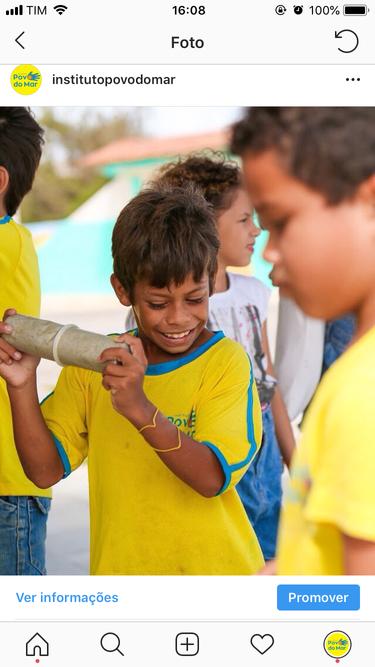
[[19, 289], [144, 519], [332, 486]]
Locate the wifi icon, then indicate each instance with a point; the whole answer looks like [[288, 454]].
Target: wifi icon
[[60, 9]]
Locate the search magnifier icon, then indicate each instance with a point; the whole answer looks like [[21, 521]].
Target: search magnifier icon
[[110, 642]]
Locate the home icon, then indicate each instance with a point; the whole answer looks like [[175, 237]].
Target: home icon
[[37, 645]]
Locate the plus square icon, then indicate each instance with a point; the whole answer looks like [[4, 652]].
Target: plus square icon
[[187, 643]]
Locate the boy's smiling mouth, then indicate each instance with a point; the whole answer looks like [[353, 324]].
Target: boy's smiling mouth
[[177, 339], [177, 335]]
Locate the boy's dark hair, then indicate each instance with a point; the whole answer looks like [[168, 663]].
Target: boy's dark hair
[[21, 141], [215, 175], [332, 150], [163, 235]]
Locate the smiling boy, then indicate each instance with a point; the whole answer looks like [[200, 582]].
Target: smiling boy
[[311, 177], [172, 426]]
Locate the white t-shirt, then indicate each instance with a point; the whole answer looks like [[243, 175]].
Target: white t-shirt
[[229, 309], [299, 356], [240, 312]]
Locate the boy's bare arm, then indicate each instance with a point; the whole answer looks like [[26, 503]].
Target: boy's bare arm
[[283, 428], [359, 556], [36, 449], [190, 460], [35, 446]]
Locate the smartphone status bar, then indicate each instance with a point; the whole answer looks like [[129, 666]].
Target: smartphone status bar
[[205, 32]]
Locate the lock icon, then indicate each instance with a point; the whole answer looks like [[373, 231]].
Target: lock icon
[[280, 10]]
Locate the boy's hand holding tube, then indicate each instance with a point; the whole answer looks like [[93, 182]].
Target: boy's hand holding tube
[[36, 449], [16, 368], [125, 380], [191, 461]]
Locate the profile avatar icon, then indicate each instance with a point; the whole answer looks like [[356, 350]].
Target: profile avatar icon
[[26, 79], [337, 644]]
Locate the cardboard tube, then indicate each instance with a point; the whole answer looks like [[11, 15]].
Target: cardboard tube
[[66, 344]]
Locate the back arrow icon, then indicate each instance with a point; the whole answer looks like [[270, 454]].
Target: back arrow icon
[[19, 37], [339, 34]]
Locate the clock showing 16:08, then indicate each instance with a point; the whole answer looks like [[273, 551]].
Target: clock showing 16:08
[[192, 10]]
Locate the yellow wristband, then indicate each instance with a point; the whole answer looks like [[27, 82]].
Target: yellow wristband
[[153, 425], [170, 449]]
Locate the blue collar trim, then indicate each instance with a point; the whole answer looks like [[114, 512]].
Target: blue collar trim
[[5, 219], [167, 366]]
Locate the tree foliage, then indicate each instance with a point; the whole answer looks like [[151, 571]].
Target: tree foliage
[[61, 185]]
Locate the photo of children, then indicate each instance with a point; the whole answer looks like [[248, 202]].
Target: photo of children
[[183, 435]]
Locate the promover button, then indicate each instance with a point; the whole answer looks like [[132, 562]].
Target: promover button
[[314, 597]]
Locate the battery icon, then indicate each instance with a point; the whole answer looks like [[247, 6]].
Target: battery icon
[[355, 10]]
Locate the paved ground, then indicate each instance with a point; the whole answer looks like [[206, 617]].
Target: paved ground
[[68, 525]]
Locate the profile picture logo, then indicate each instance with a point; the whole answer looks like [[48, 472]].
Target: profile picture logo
[[26, 79], [337, 644]]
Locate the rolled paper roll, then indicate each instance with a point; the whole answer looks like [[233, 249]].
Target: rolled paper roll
[[64, 343]]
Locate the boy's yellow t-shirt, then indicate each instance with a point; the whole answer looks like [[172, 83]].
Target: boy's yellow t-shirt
[[332, 487], [19, 289], [144, 519]]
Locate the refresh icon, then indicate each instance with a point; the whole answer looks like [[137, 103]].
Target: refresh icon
[[339, 34]]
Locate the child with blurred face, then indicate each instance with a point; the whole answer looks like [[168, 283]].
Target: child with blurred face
[[239, 307], [311, 176]]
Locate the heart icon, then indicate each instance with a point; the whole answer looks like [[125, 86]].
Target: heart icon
[[262, 643]]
